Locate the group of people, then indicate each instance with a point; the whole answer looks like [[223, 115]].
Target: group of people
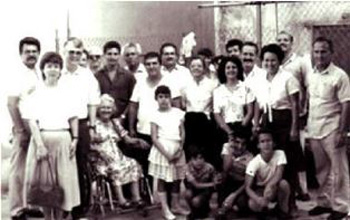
[[229, 130]]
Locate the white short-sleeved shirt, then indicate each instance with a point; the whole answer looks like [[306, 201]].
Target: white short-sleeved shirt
[[253, 78], [84, 87], [143, 94], [23, 83], [297, 66], [264, 171], [52, 107], [178, 77], [231, 104], [168, 123], [199, 96], [275, 93], [140, 73], [327, 90]]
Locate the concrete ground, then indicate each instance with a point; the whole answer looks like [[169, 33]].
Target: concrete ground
[[155, 213]]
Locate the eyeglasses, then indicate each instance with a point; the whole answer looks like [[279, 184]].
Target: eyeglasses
[[95, 57], [76, 52], [130, 54]]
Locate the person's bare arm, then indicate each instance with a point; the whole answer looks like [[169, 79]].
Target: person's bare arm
[[221, 122], [249, 115], [294, 99], [12, 105]]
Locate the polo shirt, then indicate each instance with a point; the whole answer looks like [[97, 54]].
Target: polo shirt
[[327, 90], [120, 88]]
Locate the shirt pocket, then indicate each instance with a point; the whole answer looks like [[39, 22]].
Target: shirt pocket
[[322, 90]]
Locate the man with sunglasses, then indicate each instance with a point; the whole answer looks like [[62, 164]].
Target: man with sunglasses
[[84, 86], [131, 54]]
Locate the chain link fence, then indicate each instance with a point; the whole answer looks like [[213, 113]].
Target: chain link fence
[[297, 18]]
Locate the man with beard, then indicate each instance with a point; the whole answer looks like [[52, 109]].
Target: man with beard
[[83, 85], [131, 53], [25, 80], [234, 47], [115, 80], [177, 75]]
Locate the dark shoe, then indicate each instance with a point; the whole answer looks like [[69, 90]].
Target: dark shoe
[[139, 204], [337, 215], [21, 216], [34, 213], [303, 197], [318, 210]]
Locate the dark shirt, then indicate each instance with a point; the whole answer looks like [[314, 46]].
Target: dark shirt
[[120, 88]]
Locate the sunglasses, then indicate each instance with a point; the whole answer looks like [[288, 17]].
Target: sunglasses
[[72, 52], [95, 57]]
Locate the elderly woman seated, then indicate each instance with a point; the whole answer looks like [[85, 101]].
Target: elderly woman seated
[[110, 161]]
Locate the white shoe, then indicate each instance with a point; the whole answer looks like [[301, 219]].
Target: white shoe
[[180, 210], [168, 215]]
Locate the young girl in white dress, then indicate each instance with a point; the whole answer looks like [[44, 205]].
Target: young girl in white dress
[[167, 158]]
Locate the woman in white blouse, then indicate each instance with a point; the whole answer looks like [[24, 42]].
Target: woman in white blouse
[[54, 127], [233, 101], [278, 110], [197, 100]]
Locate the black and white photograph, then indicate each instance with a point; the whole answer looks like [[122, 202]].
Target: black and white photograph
[[175, 110]]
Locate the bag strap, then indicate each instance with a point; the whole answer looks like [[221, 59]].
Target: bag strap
[[54, 180]]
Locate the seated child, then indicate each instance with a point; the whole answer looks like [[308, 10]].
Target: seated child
[[264, 183], [111, 161], [200, 182], [235, 160]]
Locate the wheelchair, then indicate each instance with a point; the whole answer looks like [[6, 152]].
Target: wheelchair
[[103, 200]]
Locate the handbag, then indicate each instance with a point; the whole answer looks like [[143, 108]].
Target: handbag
[[45, 193]]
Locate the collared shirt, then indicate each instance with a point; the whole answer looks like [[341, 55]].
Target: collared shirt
[[120, 88], [230, 104], [179, 76], [24, 81], [265, 171], [140, 72], [252, 79], [84, 87], [328, 90], [143, 94], [198, 96], [297, 66], [239, 163], [275, 94]]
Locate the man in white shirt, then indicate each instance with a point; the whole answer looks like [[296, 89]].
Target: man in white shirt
[[328, 124], [25, 81], [84, 86], [177, 75], [251, 71], [131, 53]]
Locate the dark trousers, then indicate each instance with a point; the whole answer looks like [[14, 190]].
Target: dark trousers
[[83, 148], [200, 133]]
